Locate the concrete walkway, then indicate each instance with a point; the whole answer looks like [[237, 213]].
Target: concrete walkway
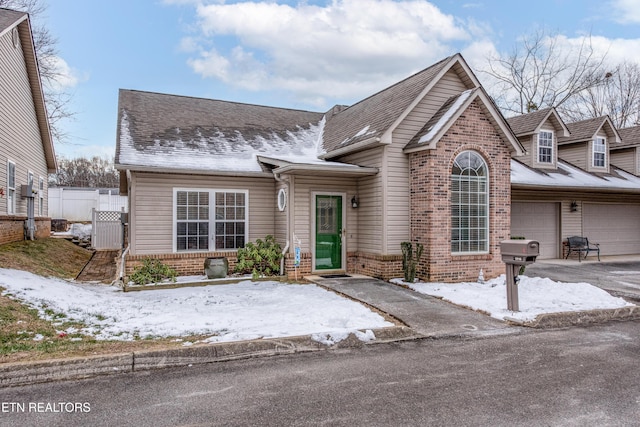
[[426, 315]]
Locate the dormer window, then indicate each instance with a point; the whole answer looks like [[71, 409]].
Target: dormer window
[[545, 147], [599, 152]]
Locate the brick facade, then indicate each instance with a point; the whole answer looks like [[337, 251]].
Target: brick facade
[[12, 228], [430, 185], [186, 264]]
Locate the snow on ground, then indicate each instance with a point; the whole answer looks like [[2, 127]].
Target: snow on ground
[[78, 230], [535, 296], [242, 311]]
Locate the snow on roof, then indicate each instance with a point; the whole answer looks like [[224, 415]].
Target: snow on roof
[[220, 152], [568, 175], [444, 119]]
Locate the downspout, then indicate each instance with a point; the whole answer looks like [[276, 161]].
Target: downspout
[[286, 246]]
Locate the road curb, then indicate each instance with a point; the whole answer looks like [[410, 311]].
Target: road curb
[[581, 318], [25, 373]]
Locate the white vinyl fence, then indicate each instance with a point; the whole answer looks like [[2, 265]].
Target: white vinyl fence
[[76, 204], [107, 230]]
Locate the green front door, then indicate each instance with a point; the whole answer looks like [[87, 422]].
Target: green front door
[[328, 233]]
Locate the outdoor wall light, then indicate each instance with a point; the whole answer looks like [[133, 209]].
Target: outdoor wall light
[[354, 202], [574, 206]]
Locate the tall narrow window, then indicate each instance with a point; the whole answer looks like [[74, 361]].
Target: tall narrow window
[[41, 196], [545, 147], [192, 220], [230, 220], [599, 152], [11, 188], [469, 204]]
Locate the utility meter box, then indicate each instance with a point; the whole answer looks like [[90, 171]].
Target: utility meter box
[[519, 252], [26, 190]]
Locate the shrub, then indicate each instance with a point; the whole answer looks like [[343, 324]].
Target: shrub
[[260, 259], [409, 261], [152, 271]]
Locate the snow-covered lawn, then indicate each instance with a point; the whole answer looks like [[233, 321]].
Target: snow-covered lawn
[[536, 296], [241, 311]]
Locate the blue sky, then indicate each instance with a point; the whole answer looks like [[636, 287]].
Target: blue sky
[[309, 55]]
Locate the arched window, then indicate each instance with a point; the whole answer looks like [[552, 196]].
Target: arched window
[[469, 204]]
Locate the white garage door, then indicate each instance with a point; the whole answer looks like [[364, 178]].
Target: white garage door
[[615, 226], [537, 221]]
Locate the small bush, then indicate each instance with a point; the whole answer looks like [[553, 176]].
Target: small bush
[[260, 259], [410, 260], [152, 271]]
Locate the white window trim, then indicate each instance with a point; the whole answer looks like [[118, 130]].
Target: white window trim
[[40, 196], [212, 218], [551, 147], [604, 152], [11, 201]]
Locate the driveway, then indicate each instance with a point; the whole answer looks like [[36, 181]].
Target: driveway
[[619, 275]]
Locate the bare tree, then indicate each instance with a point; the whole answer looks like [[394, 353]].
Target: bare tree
[[617, 96], [97, 172], [541, 73], [45, 44]]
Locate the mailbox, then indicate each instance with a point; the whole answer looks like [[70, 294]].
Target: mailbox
[[519, 252], [515, 254]]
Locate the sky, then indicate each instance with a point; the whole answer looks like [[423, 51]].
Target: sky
[[307, 55]]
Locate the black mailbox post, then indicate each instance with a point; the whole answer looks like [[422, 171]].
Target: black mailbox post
[[516, 253]]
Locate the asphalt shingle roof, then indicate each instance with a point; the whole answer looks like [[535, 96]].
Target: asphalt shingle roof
[[527, 123], [8, 18], [583, 130], [371, 117], [630, 137]]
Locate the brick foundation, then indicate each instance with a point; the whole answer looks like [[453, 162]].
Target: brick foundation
[[187, 264], [12, 228], [430, 199], [383, 267]]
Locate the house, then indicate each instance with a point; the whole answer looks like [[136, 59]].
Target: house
[[26, 147], [426, 160], [626, 154], [569, 184]]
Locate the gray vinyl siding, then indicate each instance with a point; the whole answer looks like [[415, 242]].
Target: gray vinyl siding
[[577, 154], [371, 207], [397, 222], [305, 187], [151, 230], [528, 144], [625, 159], [280, 218], [20, 140]]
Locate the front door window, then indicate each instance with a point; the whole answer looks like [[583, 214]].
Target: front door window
[[328, 233]]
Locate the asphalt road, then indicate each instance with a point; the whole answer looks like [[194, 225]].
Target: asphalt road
[[572, 377], [619, 278]]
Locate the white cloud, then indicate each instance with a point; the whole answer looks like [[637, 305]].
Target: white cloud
[[344, 49], [66, 77], [626, 11]]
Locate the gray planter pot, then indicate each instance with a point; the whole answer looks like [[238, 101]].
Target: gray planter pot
[[216, 268]]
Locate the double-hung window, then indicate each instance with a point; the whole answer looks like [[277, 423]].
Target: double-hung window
[[11, 188], [545, 147], [469, 204], [599, 152], [210, 220]]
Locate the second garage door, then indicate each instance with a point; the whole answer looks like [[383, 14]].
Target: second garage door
[[537, 221], [616, 227]]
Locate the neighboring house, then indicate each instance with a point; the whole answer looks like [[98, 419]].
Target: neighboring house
[[626, 154], [426, 160], [568, 184], [26, 147]]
